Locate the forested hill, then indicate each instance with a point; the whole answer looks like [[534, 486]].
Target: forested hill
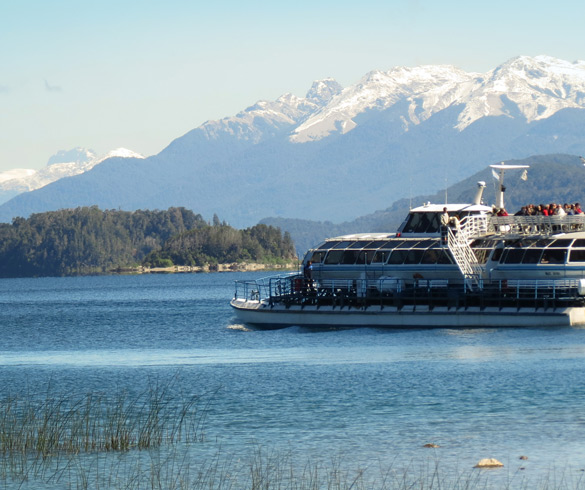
[[88, 240]]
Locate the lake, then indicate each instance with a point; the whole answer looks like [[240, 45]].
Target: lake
[[348, 400]]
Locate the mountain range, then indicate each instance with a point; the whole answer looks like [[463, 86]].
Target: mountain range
[[62, 164], [339, 153]]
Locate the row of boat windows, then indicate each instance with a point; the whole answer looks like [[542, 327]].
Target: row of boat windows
[[425, 244], [538, 255], [438, 255], [398, 256]]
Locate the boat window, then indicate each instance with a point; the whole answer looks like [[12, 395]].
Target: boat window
[[497, 254], [411, 244], [561, 242], [327, 245], [381, 256], [365, 257], [532, 256], [422, 223], [577, 255], [579, 242], [318, 257], [349, 257], [426, 243], [481, 254], [333, 257], [342, 245], [554, 256], [514, 256], [414, 256], [543, 242], [379, 244], [397, 256], [445, 257], [431, 256], [393, 244], [361, 244]]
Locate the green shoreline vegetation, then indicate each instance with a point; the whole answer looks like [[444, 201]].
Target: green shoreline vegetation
[[87, 240], [151, 440]]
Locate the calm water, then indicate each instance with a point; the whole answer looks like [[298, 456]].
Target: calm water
[[365, 396]]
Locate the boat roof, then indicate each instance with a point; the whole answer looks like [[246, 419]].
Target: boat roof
[[362, 236], [438, 208]]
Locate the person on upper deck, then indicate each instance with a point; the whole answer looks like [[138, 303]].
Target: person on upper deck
[[558, 210], [523, 212], [445, 217], [503, 212], [578, 208]]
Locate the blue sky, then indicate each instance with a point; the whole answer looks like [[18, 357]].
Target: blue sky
[[138, 74]]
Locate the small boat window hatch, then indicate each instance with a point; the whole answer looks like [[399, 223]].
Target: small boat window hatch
[[561, 242], [342, 245], [327, 245]]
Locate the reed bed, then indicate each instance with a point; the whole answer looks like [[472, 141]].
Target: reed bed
[[63, 424], [155, 440]]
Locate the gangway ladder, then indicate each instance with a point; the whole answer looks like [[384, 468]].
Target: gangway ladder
[[464, 258]]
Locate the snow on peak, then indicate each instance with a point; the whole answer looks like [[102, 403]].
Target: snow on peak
[[537, 87], [65, 163], [322, 91], [120, 153], [16, 173], [380, 90]]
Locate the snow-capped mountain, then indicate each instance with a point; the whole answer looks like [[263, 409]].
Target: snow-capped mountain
[[265, 119], [65, 163], [536, 88], [336, 153]]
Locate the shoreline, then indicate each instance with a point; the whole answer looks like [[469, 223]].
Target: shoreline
[[231, 267]]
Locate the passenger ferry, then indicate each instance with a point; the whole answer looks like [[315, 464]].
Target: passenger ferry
[[451, 265]]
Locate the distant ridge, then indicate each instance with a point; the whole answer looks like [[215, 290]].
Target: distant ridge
[[339, 153], [551, 178], [62, 164]]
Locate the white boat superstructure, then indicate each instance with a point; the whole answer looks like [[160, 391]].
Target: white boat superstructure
[[447, 265]]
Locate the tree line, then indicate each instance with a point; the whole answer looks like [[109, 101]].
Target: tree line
[[87, 240]]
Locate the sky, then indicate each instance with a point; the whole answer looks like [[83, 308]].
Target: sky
[[138, 74]]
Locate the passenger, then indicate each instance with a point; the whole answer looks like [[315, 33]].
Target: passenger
[[308, 274], [444, 225], [445, 218], [578, 208], [502, 212], [559, 210], [523, 211], [455, 223]]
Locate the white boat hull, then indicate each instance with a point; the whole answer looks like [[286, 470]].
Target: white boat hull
[[260, 313]]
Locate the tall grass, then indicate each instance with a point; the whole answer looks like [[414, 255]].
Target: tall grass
[[155, 440]]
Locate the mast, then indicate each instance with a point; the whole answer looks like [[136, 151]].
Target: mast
[[502, 167]]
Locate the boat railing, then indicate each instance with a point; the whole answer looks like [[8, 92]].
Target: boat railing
[[295, 289], [474, 226], [530, 225], [267, 287]]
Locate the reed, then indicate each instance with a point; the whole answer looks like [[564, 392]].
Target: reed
[[65, 424], [146, 441]]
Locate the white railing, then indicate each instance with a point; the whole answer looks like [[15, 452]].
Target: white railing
[[465, 259], [527, 225]]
